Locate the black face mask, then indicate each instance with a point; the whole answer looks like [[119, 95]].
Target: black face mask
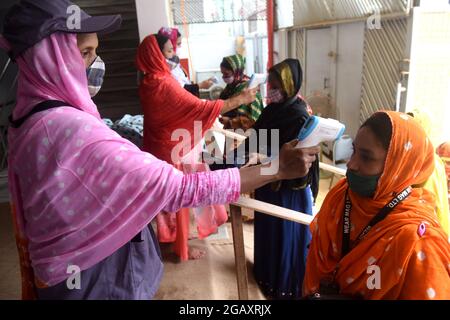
[[175, 59]]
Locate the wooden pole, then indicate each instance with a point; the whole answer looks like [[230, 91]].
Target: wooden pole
[[239, 252]]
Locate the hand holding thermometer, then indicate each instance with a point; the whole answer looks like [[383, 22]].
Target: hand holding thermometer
[[214, 80], [317, 130], [256, 80]]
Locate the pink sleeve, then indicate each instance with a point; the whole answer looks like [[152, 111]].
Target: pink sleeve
[[207, 188], [82, 191]]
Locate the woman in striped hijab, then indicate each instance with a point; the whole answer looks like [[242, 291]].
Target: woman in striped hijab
[[245, 116]]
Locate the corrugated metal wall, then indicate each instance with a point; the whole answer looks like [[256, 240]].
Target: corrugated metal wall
[[300, 50], [383, 51], [384, 48], [308, 12], [296, 49], [300, 45]]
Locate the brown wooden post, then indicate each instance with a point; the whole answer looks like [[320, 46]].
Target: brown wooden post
[[239, 252]]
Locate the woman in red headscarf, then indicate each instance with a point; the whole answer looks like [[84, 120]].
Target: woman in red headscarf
[[170, 111], [376, 237]]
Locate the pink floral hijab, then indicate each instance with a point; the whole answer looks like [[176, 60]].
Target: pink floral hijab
[[79, 190], [53, 70]]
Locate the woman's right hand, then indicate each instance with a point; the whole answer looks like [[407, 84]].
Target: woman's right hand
[[248, 96], [292, 163], [206, 84], [295, 162], [245, 97]]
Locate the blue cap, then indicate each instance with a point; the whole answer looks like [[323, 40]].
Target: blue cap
[[30, 21]]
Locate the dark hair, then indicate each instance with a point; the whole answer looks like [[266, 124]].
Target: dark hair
[[380, 124], [162, 40], [178, 34], [226, 65]]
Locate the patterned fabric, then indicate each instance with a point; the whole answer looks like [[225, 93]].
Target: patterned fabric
[[237, 64], [79, 190], [129, 127], [108, 122], [253, 110], [409, 246]]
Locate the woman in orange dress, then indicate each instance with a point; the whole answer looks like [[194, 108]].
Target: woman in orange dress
[[363, 247]]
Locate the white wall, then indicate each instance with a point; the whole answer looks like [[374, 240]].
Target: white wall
[[285, 13], [152, 15], [208, 44], [429, 77], [349, 74], [207, 52]]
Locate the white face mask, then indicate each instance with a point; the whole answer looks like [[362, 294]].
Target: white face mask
[[228, 80], [274, 96]]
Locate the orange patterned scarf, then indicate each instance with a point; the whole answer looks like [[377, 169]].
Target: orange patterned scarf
[[395, 260]]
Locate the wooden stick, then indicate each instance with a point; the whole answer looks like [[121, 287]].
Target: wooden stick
[[238, 234], [332, 169], [229, 134], [239, 252], [274, 211]]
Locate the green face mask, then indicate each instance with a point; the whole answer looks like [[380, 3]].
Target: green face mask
[[365, 186]]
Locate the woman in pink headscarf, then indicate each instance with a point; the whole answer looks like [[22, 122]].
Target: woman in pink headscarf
[[82, 196], [177, 71]]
